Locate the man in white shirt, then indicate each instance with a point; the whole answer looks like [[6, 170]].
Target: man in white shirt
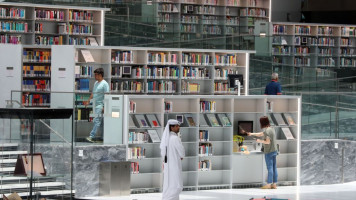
[[172, 152], [100, 88]]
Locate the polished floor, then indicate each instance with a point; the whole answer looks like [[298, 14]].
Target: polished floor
[[345, 191]]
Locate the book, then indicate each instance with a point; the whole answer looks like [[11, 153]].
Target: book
[[279, 119], [131, 122], [153, 120], [202, 121], [213, 121], [224, 120], [141, 121], [87, 56], [154, 136], [289, 119], [287, 133], [190, 120]]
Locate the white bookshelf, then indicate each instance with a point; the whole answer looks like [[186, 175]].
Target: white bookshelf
[[228, 168], [53, 25], [308, 45]]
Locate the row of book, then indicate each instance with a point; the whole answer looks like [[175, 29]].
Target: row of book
[[231, 30], [36, 99], [193, 88], [210, 19], [205, 149], [233, 2], [348, 31], [10, 39], [49, 40], [127, 86], [135, 168], [167, 8], [55, 15], [325, 30], [253, 12], [122, 57], [283, 50], [162, 72], [302, 61], [188, 28], [301, 50], [326, 41], [228, 59], [138, 137], [326, 62], [13, 26], [213, 30], [347, 62], [136, 72], [37, 55], [79, 41], [232, 21], [82, 85], [195, 73], [161, 87], [207, 106], [83, 71], [165, 17], [83, 114], [346, 42], [168, 106], [81, 98], [144, 121], [302, 30], [12, 13], [223, 74], [188, 19], [210, 2], [221, 87], [133, 107], [36, 71], [38, 27], [136, 153], [347, 51], [78, 29], [204, 165], [203, 135], [163, 28], [80, 15], [279, 29], [36, 85], [162, 58], [196, 59], [214, 120], [327, 51]]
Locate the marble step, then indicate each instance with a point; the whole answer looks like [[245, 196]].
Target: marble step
[[46, 193], [27, 185], [8, 153], [8, 161], [7, 169]]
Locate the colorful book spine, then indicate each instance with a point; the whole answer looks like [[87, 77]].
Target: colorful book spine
[[55, 15], [79, 41], [168, 106], [212, 30], [133, 107], [77, 29], [221, 87], [162, 58], [204, 165], [122, 57], [188, 87], [196, 59], [302, 30], [233, 3], [138, 137], [127, 86], [75, 15], [36, 85], [36, 99], [223, 74], [10, 39], [36, 71], [12, 26], [83, 71], [157, 72], [82, 85], [136, 153], [36, 56], [17, 13], [161, 87], [135, 168], [195, 73], [208, 106], [49, 40], [229, 59], [205, 149], [203, 135], [39, 27]]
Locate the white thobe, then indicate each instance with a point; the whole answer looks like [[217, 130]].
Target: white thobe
[[172, 177]]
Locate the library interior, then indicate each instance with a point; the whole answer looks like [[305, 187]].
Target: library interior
[[177, 99]]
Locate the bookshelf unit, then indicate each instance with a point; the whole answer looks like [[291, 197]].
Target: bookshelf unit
[[319, 46], [43, 25], [187, 20], [211, 161]]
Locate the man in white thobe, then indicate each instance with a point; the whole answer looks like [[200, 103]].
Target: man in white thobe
[[172, 152]]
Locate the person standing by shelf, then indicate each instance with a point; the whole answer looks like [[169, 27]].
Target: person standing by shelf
[[270, 149], [100, 88], [172, 152], [274, 87]]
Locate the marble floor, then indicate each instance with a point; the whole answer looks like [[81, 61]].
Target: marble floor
[[345, 191]]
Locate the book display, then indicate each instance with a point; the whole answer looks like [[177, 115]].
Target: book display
[[51, 25]]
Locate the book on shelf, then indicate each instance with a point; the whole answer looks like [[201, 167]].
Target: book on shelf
[[205, 165], [224, 119], [207, 106], [190, 120], [132, 107], [154, 136], [36, 55], [136, 153], [137, 137], [131, 122], [35, 99], [88, 57], [36, 71], [49, 40], [279, 119], [83, 71], [153, 120], [213, 121], [168, 106], [162, 58], [289, 119], [10, 39], [203, 135], [55, 15], [122, 57], [287, 133], [17, 13], [205, 149], [202, 121], [141, 121], [135, 168], [82, 114]]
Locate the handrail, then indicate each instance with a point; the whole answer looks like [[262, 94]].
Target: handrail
[[44, 123]]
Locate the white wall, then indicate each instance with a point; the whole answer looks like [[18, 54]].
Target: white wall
[[280, 8]]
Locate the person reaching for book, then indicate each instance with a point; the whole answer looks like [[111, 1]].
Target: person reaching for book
[[270, 149]]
